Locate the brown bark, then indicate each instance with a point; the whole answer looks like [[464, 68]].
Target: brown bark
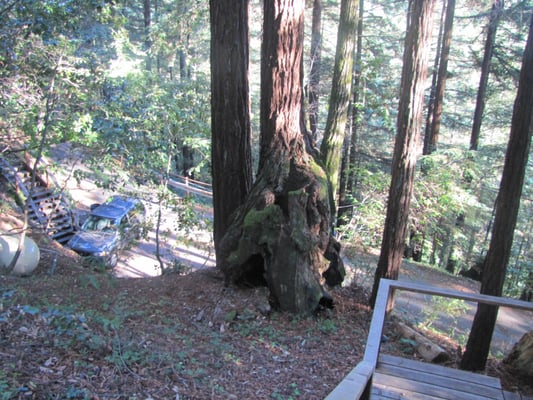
[[341, 91], [230, 108], [314, 74], [497, 8], [281, 235], [147, 17], [342, 209], [520, 359], [409, 121], [348, 166], [350, 182], [507, 205], [431, 100], [430, 145]]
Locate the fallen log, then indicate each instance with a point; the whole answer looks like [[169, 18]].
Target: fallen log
[[427, 349]]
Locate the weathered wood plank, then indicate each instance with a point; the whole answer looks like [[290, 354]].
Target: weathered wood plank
[[354, 384], [415, 390], [511, 396], [515, 396], [444, 378], [381, 394], [475, 297], [439, 370], [376, 325]]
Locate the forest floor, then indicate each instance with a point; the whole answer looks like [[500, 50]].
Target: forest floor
[[69, 332], [74, 333]]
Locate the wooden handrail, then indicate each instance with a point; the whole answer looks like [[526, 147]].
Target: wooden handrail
[[386, 286], [358, 383]]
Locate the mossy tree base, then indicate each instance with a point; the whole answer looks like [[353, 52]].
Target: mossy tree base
[[281, 237]]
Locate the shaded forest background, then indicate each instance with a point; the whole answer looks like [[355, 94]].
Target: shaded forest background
[[130, 80]]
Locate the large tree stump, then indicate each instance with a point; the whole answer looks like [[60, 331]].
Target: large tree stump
[[281, 237], [520, 359]]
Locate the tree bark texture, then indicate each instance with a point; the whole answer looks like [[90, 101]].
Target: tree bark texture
[[281, 236], [314, 73], [230, 111], [441, 79], [343, 175], [433, 89], [520, 359], [497, 9], [507, 205], [349, 161], [414, 72], [341, 90], [147, 17], [357, 89]]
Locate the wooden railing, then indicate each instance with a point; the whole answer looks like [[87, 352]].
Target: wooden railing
[[358, 383]]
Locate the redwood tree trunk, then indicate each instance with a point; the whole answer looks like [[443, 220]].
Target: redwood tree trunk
[[507, 205], [433, 89], [497, 8], [230, 111], [441, 79], [341, 90], [409, 121], [314, 74], [346, 192], [357, 89], [281, 236], [147, 17]]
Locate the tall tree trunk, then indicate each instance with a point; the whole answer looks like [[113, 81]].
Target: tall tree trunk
[[349, 157], [188, 161], [414, 72], [341, 90], [430, 144], [147, 16], [314, 74], [344, 173], [281, 236], [433, 89], [350, 182], [230, 112], [507, 205], [497, 8]]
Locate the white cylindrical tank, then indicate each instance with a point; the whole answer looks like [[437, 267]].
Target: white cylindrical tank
[[28, 259]]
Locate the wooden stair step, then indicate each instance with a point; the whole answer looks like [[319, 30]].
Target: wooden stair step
[[60, 227]]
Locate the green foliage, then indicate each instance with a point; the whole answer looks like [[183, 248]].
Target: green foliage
[[293, 391], [178, 268], [368, 215], [452, 308], [446, 204], [101, 96], [327, 326], [449, 310]]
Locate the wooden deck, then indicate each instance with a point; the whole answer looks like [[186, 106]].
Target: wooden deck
[[400, 378], [381, 376]]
